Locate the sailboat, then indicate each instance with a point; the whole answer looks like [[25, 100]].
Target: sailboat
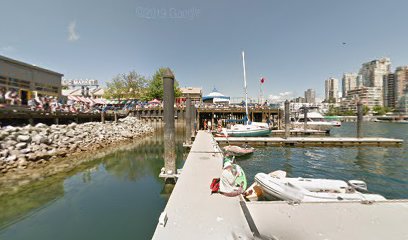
[[248, 128]]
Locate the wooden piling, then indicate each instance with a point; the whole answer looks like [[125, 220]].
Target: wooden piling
[[359, 118], [169, 126], [305, 118], [188, 121], [287, 119]]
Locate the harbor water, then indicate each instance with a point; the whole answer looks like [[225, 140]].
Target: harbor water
[[121, 197]]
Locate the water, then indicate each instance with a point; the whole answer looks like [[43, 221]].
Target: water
[[385, 169], [121, 197]]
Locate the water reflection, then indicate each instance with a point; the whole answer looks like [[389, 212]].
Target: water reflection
[[120, 184]]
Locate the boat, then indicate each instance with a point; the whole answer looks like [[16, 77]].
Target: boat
[[315, 121], [238, 151], [248, 128], [310, 190]]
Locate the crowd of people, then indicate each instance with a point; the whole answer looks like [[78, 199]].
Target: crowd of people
[[9, 97]]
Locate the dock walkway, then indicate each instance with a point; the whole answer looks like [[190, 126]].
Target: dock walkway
[[193, 213], [311, 141]]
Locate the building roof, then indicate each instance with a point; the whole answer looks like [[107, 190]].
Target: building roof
[[215, 94], [6, 59], [191, 90]]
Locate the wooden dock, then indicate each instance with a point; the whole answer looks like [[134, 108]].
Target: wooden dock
[[193, 213], [311, 141]]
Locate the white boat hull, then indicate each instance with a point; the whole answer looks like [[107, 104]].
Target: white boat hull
[[291, 190]]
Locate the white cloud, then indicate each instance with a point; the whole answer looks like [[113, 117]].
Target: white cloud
[[280, 97], [72, 34]]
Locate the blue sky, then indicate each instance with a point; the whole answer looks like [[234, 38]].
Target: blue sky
[[295, 44]]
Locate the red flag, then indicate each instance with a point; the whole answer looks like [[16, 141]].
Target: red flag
[[262, 80]]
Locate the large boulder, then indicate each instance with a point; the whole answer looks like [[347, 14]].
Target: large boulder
[[40, 139], [23, 138]]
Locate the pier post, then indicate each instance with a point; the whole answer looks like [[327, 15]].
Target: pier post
[[359, 118], [169, 127], [305, 119], [287, 119], [102, 117], [187, 118], [115, 115]]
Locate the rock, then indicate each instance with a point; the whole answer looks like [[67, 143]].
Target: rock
[[10, 129], [11, 158], [22, 162], [23, 138], [70, 134], [21, 145], [41, 125], [40, 139], [25, 150]]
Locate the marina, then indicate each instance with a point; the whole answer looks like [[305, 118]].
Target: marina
[[311, 141], [225, 217]]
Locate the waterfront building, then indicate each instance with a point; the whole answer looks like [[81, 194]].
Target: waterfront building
[[403, 103], [389, 90], [216, 97], [331, 90], [401, 82], [28, 80], [195, 93], [349, 82], [369, 96], [373, 73], [310, 96]]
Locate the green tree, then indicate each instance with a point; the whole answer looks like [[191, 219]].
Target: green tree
[[155, 88], [366, 109], [379, 110], [127, 85]]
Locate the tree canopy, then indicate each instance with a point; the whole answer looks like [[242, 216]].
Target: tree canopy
[[136, 86]]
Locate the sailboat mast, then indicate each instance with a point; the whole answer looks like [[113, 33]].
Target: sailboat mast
[[245, 85]]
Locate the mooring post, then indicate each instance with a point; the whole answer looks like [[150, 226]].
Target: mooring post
[[187, 118], [115, 115], [305, 119], [102, 117], [359, 118], [287, 122], [169, 127], [194, 120]]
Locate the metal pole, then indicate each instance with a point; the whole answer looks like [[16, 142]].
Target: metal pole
[[359, 118], [188, 120], [169, 127], [305, 119], [287, 120]]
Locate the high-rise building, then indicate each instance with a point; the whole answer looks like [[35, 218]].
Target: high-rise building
[[331, 90], [369, 96], [310, 96], [373, 73], [349, 82], [401, 82], [389, 90]]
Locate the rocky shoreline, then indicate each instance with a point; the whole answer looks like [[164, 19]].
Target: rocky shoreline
[[23, 149]]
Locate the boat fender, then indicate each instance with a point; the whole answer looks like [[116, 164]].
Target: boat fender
[[215, 185]]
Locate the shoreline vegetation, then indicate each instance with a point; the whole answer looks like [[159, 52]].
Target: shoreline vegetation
[[32, 153]]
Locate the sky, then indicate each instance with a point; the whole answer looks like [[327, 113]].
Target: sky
[[294, 44]]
